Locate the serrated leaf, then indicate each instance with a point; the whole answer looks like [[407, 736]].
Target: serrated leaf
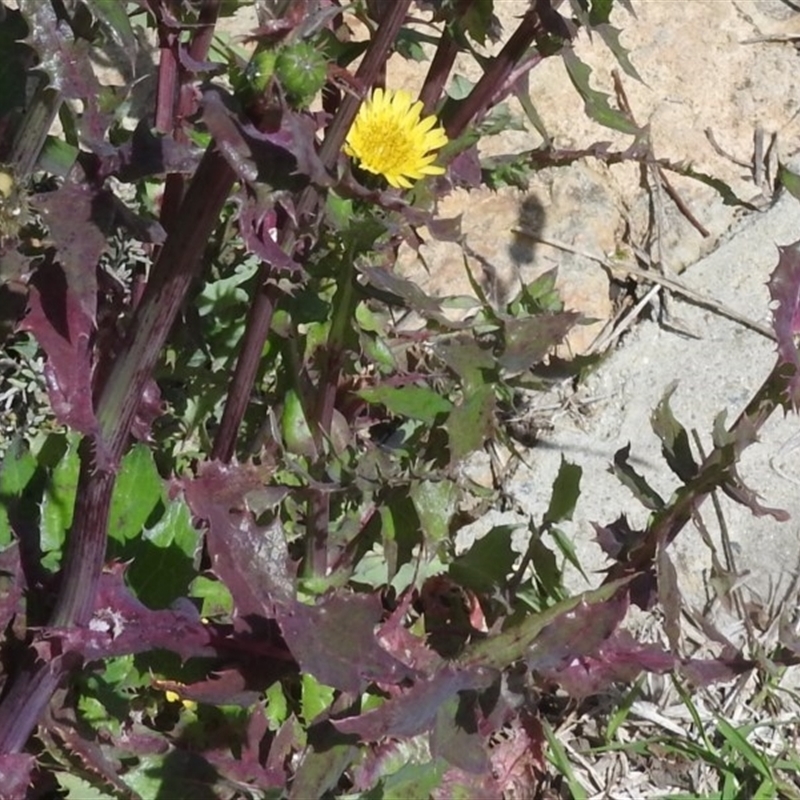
[[527, 341], [137, 492], [512, 644], [674, 439], [455, 736], [315, 697], [784, 290], [610, 35], [165, 558], [488, 563], [417, 402], [596, 103], [114, 19], [629, 477], [320, 771], [470, 423], [565, 494], [435, 503]]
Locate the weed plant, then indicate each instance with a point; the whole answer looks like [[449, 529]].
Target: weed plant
[[228, 564]]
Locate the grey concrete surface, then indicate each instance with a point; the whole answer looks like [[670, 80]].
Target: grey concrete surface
[[718, 368]]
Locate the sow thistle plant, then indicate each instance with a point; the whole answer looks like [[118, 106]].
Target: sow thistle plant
[[255, 485]]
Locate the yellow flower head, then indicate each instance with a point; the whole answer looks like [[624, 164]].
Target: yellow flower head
[[389, 138]]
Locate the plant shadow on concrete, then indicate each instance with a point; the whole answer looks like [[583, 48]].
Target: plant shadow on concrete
[[228, 565]]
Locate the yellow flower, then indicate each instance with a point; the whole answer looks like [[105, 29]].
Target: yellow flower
[[389, 138], [174, 697]]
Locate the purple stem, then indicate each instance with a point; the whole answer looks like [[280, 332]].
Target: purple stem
[[259, 317]]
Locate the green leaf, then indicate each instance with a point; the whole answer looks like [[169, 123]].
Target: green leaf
[[414, 780], [77, 788], [217, 600], [417, 402], [59, 499], [277, 708], [18, 467], [137, 492], [114, 18], [470, 423], [596, 103], [179, 773], [320, 771], [315, 697], [487, 564], [789, 180], [435, 503], [674, 439], [295, 431], [738, 742], [629, 477], [565, 494], [610, 35], [558, 756], [512, 644], [57, 156], [164, 565]]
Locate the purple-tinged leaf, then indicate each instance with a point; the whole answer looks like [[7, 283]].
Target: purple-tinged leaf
[[336, 642], [465, 169], [67, 64], [455, 736], [144, 154], [621, 659], [63, 328], [470, 786], [252, 561], [151, 407], [576, 633], [79, 220], [617, 539], [414, 711], [261, 156], [514, 643], [398, 640], [85, 751], [15, 775], [529, 340], [121, 625], [257, 227], [225, 687], [784, 289], [518, 754]]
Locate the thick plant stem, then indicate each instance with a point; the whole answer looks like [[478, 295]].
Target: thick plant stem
[[259, 317], [178, 264], [256, 331]]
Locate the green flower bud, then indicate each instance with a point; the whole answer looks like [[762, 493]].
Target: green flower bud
[[302, 70], [261, 69]]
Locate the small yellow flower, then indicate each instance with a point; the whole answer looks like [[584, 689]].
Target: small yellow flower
[[174, 697], [389, 138]]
